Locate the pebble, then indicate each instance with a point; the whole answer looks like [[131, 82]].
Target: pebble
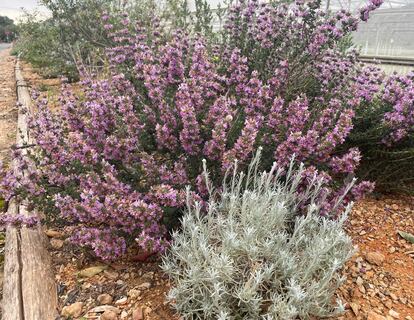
[[121, 301], [74, 310], [104, 298], [362, 289], [100, 309], [56, 244], [86, 285], [388, 304], [109, 315], [124, 315], [144, 286], [394, 314], [375, 258], [355, 307], [137, 314], [356, 293], [375, 316], [113, 275], [53, 233], [134, 293]]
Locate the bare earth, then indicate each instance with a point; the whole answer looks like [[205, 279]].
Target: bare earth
[[380, 277], [8, 110]]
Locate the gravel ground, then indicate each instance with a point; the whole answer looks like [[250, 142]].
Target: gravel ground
[[379, 285]]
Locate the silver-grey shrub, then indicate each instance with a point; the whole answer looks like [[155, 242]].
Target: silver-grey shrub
[[252, 256]]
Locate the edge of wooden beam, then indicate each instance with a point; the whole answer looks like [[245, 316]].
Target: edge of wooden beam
[[29, 290]]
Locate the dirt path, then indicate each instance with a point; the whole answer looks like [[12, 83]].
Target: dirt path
[[8, 110], [8, 124]]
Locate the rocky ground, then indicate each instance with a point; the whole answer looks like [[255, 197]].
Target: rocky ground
[[380, 277], [379, 285]]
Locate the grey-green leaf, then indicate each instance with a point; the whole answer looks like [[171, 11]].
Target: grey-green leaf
[[407, 236]]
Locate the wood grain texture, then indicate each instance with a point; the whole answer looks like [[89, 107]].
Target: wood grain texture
[[29, 291], [38, 286], [12, 299]]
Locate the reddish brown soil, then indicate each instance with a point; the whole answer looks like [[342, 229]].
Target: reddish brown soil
[[370, 289], [374, 226]]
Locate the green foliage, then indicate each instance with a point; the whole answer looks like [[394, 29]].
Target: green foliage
[[39, 44], [203, 17], [74, 37], [407, 236], [201, 20], [8, 29], [2, 205], [178, 12], [345, 43], [389, 166], [78, 21]]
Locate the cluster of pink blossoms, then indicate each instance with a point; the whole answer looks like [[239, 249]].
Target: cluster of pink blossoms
[[119, 155]]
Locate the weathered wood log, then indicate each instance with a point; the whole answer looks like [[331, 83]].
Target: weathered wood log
[[12, 285], [38, 286], [29, 291]]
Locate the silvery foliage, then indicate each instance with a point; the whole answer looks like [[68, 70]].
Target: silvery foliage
[[252, 256]]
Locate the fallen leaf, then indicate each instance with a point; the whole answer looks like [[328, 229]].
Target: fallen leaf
[[90, 272], [407, 236]]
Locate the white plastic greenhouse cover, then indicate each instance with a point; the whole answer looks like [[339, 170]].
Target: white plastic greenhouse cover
[[389, 31]]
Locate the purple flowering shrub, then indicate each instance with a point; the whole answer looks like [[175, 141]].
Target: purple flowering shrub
[[116, 159], [384, 133], [398, 95]]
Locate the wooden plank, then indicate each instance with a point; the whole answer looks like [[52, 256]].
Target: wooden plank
[[31, 291], [12, 290], [38, 286], [23, 98]]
